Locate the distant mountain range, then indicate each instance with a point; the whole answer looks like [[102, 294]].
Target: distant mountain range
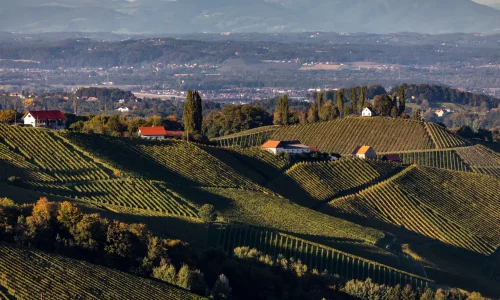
[[188, 16]]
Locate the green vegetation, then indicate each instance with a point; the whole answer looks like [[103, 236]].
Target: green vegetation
[[312, 255], [442, 159], [443, 138], [321, 181], [30, 273], [248, 138], [453, 207], [481, 159]]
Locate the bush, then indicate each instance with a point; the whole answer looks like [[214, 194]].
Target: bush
[[207, 213]]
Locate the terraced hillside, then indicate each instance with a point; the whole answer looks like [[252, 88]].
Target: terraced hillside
[[175, 162], [315, 256], [441, 159], [320, 181], [33, 274], [457, 208], [14, 164], [248, 138], [481, 159], [51, 155], [343, 135]]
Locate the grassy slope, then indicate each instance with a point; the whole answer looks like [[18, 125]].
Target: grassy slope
[[30, 274]]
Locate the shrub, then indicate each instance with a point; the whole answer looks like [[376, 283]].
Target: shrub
[[207, 213]]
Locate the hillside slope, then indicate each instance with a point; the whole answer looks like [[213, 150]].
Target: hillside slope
[[456, 208], [33, 274]]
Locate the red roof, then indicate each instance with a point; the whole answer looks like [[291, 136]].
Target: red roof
[[44, 115], [175, 133], [271, 144], [153, 131]]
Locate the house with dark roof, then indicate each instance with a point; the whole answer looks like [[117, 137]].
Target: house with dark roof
[[364, 152], [292, 147], [392, 158], [53, 119]]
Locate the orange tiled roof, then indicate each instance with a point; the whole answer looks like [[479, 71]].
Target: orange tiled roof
[[271, 144], [361, 149], [154, 130]]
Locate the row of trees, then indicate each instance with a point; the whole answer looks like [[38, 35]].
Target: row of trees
[[325, 110]]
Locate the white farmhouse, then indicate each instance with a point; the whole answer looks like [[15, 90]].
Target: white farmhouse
[[367, 112], [123, 109], [152, 133], [439, 113], [54, 119], [292, 147]]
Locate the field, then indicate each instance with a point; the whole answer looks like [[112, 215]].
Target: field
[[456, 208], [441, 159], [481, 159], [252, 137], [442, 138], [33, 274], [320, 181], [314, 255]]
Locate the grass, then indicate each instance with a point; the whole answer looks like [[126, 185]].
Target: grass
[[29, 274]]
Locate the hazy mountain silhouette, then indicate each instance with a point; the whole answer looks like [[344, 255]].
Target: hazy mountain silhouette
[[184, 16]]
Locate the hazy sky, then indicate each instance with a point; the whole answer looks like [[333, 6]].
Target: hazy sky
[[487, 1]]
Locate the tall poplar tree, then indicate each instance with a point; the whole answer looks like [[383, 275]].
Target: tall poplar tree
[[319, 98], [284, 110], [340, 101], [362, 96], [354, 101], [197, 111], [402, 100], [188, 116], [75, 104]]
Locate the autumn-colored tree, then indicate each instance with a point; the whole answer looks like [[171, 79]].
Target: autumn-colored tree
[[312, 114], [7, 116], [28, 104]]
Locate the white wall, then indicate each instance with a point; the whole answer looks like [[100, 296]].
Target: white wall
[[29, 120]]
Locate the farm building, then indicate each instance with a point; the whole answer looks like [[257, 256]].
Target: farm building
[[364, 152], [439, 112], [123, 109], [54, 119], [152, 133], [292, 147], [392, 158], [367, 112]]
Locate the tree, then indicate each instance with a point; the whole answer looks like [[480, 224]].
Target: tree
[[416, 114], [222, 289], [207, 213], [362, 91], [394, 112], [7, 116], [189, 111], [165, 272], [285, 111], [75, 104], [354, 104], [198, 112], [319, 98], [408, 293], [340, 101], [402, 100], [383, 105], [312, 114]]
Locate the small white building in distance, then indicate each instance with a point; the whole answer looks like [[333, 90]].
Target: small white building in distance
[[367, 112], [292, 147], [152, 133], [53, 119], [439, 112], [364, 152], [123, 109]]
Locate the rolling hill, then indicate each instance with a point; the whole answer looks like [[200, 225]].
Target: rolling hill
[[32, 274], [407, 217]]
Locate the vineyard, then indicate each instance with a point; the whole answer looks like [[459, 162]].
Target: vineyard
[[456, 208], [51, 155], [321, 181], [481, 159], [443, 138], [315, 256], [33, 274], [442, 159], [13, 164], [176, 162], [248, 138], [131, 193]]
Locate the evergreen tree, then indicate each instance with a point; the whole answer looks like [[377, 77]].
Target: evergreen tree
[[75, 104], [198, 111], [362, 91], [319, 98], [354, 101], [340, 101], [402, 101], [189, 113], [284, 110]]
